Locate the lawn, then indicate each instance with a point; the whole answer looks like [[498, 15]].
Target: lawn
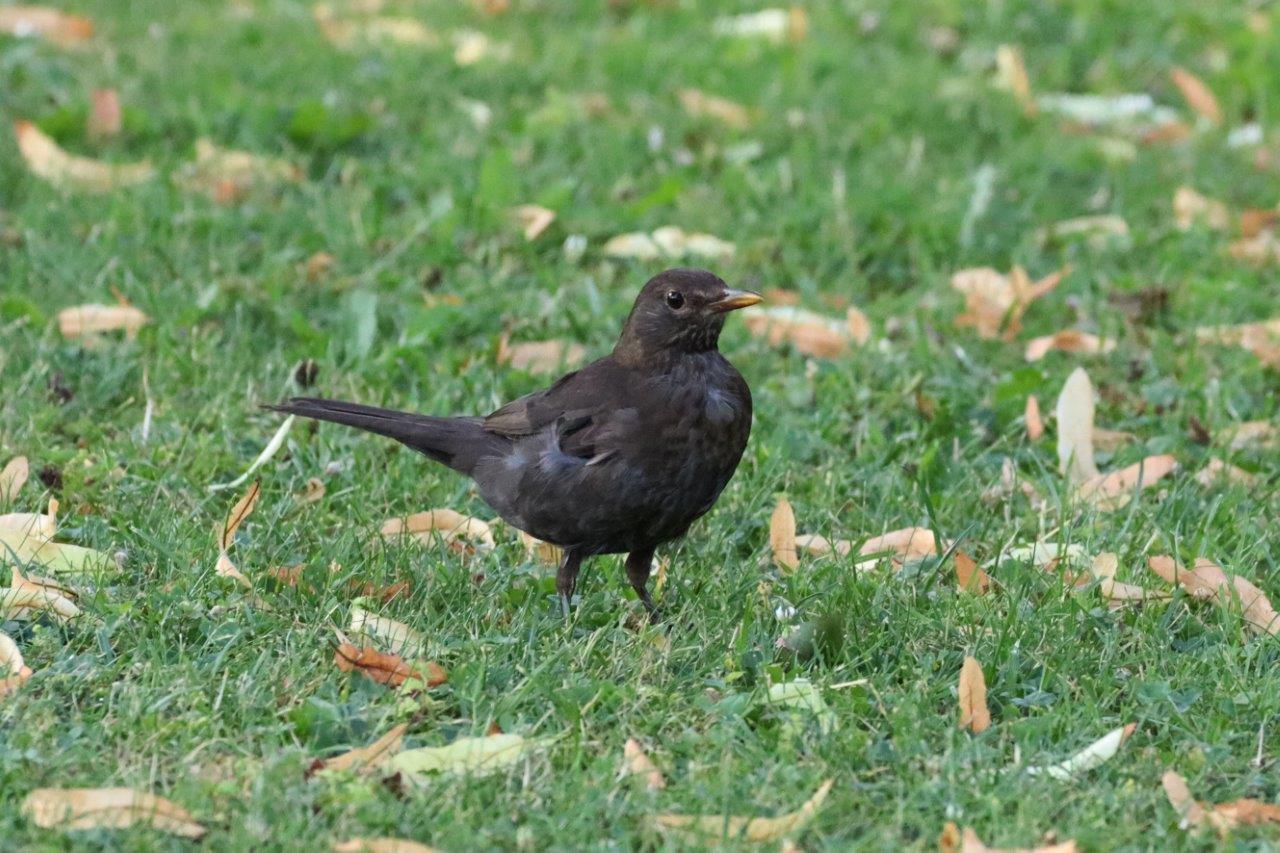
[[876, 156]]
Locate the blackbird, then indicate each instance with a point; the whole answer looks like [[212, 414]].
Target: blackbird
[[617, 457]]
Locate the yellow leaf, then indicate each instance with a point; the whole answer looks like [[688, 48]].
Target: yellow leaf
[[450, 526], [312, 491], [757, 830], [532, 219], [701, 105], [1223, 817], [639, 765], [775, 25], [1068, 340], [995, 303], [1190, 207], [238, 514], [782, 535], [974, 715], [83, 320], [113, 808], [13, 477], [668, 241], [395, 636], [1107, 491], [1197, 95], [1261, 338], [1011, 74], [468, 755], [953, 840], [1208, 582], [1216, 472], [72, 172], [54, 556], [367, 758]]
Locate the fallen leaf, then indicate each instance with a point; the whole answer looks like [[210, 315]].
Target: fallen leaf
[[1255, 221], [1262, 248], [995, 303], [1110, 440], [394, 635], [111, 808], [782, 535], [316, 267], [40, 525], [459, 532], [1011, 74], [1093, 755], [668, 241], [312, 491], [1261, 338], [905, 544], [84, 320], [1208, 582], [224, 568], [1068, 340], [380, 845], [26, 597], [366, 759], [1118, 593], [757, 830], [775, 25], [1031, 417], [1216, 472], [1223, 817], [53, 556], [474, 756], [58, 27], [859, 326], [810, 333], [953, 840], [801, 694], [14, 671], [699, 104], [1197, 95], [639, 765], [974, 715], [13, 478], [541, 356], [1251, 435], [227, 175], [351, 32], [1190, 207], [70, 171], [239, 512], [1098, 230], [104, 120], [532, 219], [472, 46], [388, 669], [969, 576], [1074, 414], [543, 552], [1107, 490]]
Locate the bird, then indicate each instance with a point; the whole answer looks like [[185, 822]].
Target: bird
[[619, 456]]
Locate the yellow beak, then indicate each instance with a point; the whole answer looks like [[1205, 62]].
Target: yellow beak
[[732, 300]]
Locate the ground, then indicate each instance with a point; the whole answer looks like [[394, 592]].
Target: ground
[[852, 181]]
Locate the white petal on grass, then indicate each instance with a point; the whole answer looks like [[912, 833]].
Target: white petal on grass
[[267, 452], [1093, 755]]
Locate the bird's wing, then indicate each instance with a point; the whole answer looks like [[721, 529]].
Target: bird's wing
[[580, 406]]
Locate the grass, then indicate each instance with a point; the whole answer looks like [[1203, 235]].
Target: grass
[[173, 682]]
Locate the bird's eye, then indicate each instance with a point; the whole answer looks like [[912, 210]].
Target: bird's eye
[[675, 299]]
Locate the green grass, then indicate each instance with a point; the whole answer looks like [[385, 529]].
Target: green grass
[[172, 682]]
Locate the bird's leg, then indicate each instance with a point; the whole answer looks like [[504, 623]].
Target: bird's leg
[[567, 578], [639, 564]]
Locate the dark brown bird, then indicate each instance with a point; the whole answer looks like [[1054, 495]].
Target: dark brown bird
[[620, 456]]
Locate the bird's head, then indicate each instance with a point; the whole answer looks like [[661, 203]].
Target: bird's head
[[680, 311]]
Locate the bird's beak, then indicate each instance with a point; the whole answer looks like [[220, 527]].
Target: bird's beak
[[732, 300]]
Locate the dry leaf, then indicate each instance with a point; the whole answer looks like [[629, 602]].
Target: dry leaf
[[351, 32], [639, 765], [1105, 490], [84, 320], [1262, 248], [1093, 755], [812, 543], [541, 356], [394, 635], [1031, 416], [111, 808], [473, 756], [532, 219], [312, 491], [1110, 440], [782, 536], [974, 715], [318, 265], [668, 241], [1098, 230], [104, 120], [969, 576], [1221, 816], [380, 845], [54, 556], [758, 830], [28, 596], [472, 46], [953, 840], [58, 27], [1261, 338], [536, 549], [775, 25], [905, 544], [859, 326], [810, 333], [1011, 74], [1190, 207], [1255, 221], [1074, 413], [224, 568], [461, 533], [701, 105], [14, 671], [1216, 471], [1068, 340], [227, 175], [1248, 435], [238, 514], [70, 171], [365, 759], [1208, 582], [388, 669], [994, 303], [1118, 593], [39, 525], [1197, 95], [13, 478]]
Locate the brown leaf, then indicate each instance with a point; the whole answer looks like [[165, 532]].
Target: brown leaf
[[13, 478], [1104, 489], [385, 668], [1190, 207], [1249, 435], [238, 514], [1208, 582], [1110, 440], [1011, 74], [1031, 416], [112, 808], [1262, 248], [84, 320], [352, 32], [312, 491], [1118, 593], [460, 532], [70, 171], [316, 268], [365, 759], [757, 830], [859, 326], [1223, 817], [380, 845], [809, 333], [58, 27], [639, 765], [994, 303], [699, 104], [1216, 472], [1197, 95], [227, 175], [974, 715], [970, 576], [1068, 340], [543, 552], [104, 120], [1261, 338], [1254, 221], [287, 575], [905, 544], [953, 840], [532, 219], [782, 535], [541, 356]]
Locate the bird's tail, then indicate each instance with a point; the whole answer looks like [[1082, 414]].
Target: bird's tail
[[456, 442]]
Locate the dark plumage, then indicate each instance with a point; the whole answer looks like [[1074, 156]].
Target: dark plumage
[[619, 456]]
